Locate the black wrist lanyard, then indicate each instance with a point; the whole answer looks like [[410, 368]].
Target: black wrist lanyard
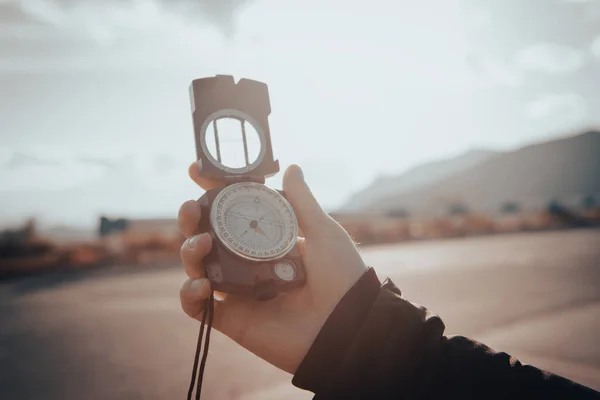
[[209, 309]]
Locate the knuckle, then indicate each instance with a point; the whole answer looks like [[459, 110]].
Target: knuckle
[[183, 252], [186, 246], [185, 208], [183, 289]]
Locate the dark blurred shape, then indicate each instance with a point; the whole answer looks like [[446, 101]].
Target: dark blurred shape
[[555, 208], [21, 242], [398, 213], [458, 209], [589, 203], [510, 207], [23, 251], [108, 226], [564, 215]]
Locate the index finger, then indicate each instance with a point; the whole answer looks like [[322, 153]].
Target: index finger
[[202, 181]]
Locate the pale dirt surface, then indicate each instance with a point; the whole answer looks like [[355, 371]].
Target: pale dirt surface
[[120, 335]]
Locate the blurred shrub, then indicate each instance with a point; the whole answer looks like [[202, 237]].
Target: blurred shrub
[[397, 213], [510, 207], [589, 203], [458, 209]]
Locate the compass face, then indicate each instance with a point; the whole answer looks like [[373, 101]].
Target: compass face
[[254, 222]]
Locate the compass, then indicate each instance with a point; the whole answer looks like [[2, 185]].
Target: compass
[[254, 226]]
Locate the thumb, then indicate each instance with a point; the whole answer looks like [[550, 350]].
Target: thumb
[[311, 216]]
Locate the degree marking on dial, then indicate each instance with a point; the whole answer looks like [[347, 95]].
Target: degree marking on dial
[[232, 227]]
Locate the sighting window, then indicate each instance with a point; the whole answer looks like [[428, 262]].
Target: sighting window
[[233, 142]]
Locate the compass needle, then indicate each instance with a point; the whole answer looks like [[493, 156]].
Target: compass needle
[[260, 231]]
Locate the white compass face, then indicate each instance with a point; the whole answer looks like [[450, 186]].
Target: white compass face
[[254, 221]]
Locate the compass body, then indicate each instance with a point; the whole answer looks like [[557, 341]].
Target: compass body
[[254, 248], [254, 227]]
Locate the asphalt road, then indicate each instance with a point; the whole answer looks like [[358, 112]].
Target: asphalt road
[[119, 334]]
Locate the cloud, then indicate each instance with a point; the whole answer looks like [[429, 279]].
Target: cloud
[[595, 47], [165, 163], [91, 35], [146, 165], [478, 19], [550, 57], [494, 72], [568, 107], [98, 161], [19, 160], [44, 11], [110, 16]]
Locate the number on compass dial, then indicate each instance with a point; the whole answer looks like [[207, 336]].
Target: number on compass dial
[[254, 222]]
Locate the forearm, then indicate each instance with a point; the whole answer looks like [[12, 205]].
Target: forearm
[[378, 345], [468, 369]]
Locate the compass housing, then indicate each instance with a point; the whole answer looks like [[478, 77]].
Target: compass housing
[[230, 272], [229, 269]]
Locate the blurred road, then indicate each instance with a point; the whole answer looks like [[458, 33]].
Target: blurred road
[[120, 334]]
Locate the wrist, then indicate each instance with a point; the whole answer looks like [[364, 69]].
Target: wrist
[[337, 333]]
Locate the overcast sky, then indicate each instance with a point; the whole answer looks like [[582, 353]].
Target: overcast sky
[[94, 107]]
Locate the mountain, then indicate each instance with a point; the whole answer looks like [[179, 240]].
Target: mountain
[[392, 186], [565, 170]]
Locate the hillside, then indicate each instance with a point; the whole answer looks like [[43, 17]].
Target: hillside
[[566, 169], [422, 175]]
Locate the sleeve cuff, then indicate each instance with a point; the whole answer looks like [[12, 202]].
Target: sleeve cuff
[[338, 333]]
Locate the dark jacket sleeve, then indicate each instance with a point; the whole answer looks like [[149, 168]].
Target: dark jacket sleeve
[[377, 345]]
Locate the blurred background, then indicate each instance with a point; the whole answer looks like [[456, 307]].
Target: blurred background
[[458, 141]]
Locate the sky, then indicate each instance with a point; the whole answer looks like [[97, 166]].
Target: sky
[[95, 115]]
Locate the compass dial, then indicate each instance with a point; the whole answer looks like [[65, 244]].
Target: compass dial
[[254, 222]]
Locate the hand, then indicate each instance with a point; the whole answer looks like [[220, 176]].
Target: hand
[[280, 330]]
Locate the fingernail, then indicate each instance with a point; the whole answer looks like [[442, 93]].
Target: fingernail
[[197, 285], [199, 165], [295, 169], [195, 240]]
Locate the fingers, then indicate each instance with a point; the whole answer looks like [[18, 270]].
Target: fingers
[[192, 294], [193, 252], [197, 288], [311, 216], [190, 211], [204, 182], [188, 218]]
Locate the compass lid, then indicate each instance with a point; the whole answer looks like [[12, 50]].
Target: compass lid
[[216, 99]]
